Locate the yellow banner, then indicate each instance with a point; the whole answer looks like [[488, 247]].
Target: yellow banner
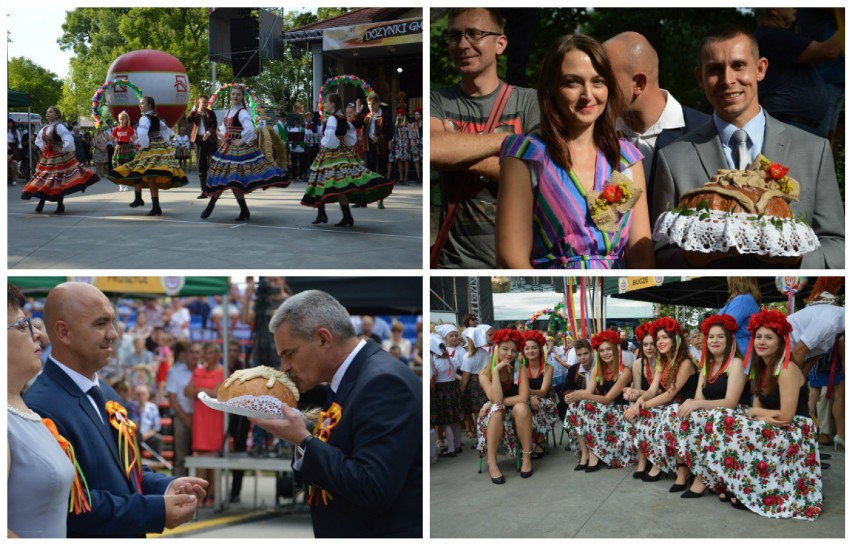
[[407, 31], [168, 285], [630, 283]]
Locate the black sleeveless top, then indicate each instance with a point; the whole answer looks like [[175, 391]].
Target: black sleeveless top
[[645, 385], [772, 400], [688, 390], [574, 378], [603, 389], [719, 390], [342, 126]]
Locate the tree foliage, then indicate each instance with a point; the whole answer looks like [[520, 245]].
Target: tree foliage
[[42, 85], [674, 33], [98, 36]]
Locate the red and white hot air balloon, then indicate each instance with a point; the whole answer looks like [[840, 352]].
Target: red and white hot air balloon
[[158, 75]]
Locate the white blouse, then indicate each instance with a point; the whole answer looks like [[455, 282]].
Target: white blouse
[[329, 138], [47, 134], [247, 136]]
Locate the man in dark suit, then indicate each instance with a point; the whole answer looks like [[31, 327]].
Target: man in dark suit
[[79, 320], [729, 72], [366, 471], [651, 118], [204, 135]]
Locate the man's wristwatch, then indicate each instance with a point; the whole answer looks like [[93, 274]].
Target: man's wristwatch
[[301, 447]]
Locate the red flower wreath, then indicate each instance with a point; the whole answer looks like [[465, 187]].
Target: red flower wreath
[[725, 320], [773, 319], [669, 324], [606, 336], [503, 335], [644, 329], [533, 335]]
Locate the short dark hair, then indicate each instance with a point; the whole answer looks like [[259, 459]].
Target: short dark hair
[[582, 343], [495, 15], [723, 33], [15, 299], [335, 99]]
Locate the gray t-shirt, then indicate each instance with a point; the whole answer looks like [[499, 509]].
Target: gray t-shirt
[[470, 244]]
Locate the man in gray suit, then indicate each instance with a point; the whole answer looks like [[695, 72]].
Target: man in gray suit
[[729, 72]]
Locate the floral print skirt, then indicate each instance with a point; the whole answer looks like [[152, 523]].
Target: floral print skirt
[[545, 418], [603, 429], [773, 471], [509, 442]]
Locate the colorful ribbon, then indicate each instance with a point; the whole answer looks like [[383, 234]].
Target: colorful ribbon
[[326, 422], [128, 445], [81, 498]]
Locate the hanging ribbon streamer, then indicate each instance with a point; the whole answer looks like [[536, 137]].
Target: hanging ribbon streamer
[[81, 498], [128, 445], [569, 296], [583, 307], [326, 422]]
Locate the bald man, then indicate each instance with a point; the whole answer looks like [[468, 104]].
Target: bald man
[[80, 323], [651, 117]]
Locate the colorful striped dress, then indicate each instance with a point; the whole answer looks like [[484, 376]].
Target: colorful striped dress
[[155, 161], [564, 235], [58, 173], [241, 166]]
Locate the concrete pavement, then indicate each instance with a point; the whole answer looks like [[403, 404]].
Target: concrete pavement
[[557, 502], [100, 231]]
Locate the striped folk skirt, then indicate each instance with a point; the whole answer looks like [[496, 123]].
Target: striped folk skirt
[[58, 174], [339, 172], [155, 163], [242, 167]]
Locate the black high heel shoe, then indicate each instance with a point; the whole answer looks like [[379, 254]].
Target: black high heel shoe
[[581, 467], [596, 467], [498, 480], [681, 487], [648, 478], [691, 494], [640, 473]]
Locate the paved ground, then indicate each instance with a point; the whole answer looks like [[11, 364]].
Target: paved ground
[[559, 502], [244, 520], [100, 231]]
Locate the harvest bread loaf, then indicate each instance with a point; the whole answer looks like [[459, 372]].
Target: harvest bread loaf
[[257, 382], [743, 210]]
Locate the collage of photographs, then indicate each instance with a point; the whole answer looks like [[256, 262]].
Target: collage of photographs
[[246, 364]]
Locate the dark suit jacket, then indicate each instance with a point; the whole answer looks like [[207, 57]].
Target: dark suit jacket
[[372, 463], [693, 159], [210, 124], [117, 511]]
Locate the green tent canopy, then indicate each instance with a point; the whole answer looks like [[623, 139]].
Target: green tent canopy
[[165, 285], [18, 99]]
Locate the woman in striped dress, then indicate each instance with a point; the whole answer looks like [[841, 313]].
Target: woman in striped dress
[[58, 173], [154, 164], [571, 194], [238, 164]]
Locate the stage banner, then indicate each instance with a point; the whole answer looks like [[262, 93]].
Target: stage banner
[[407, 31]]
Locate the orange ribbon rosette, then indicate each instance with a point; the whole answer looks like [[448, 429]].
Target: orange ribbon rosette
[[81, 498], [326, 422], [128, 446]]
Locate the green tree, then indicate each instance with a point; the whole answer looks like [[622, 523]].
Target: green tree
[[43, 85]]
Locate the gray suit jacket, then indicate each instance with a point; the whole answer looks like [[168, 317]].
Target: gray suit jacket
[[694, 158]]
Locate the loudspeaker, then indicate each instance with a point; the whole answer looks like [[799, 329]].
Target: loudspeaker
[[245, 54]]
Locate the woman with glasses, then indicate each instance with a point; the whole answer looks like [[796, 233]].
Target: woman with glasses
[[58, 173], [571, 193], [39, 475]]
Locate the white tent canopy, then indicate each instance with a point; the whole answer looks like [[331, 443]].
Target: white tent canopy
[[520, 306]]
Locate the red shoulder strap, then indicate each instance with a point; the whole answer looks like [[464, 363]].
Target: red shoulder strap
[[468, 179]]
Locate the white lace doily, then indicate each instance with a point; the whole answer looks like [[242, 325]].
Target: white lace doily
[[722, 231], [250, 406]]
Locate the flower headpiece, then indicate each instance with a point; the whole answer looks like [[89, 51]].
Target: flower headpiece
[[729, 324], [534, 335], [418, 110], [504, 335], [608, 336], [644, 329], [725, 320], [669, 324], [777, 322]]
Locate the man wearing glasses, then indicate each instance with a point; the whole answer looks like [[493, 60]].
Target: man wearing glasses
[[468, 124]]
